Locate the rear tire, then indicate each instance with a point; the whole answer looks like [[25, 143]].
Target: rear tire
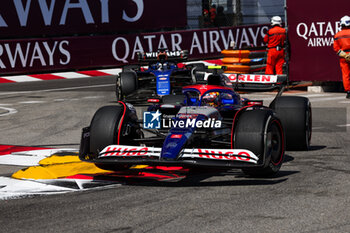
[[296, 117], [261, 132]]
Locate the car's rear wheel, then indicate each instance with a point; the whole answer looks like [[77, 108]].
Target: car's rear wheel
[[261, 132], [296, 116], [111, 125]]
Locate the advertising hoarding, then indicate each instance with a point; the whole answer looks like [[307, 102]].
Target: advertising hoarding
[[312, 27], [86, 52], [42, 18]]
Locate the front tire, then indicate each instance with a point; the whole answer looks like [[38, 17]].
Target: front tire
[[111, 125], [104, 128], [261, 132]]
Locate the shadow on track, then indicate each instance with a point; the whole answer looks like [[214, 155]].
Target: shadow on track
[[197, 179]]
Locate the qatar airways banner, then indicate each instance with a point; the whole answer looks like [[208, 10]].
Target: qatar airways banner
[[312, 27], [85, 52], [37, 18]]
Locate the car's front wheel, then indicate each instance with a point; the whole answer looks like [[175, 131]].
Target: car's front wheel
[[261, 132], [112, 125]]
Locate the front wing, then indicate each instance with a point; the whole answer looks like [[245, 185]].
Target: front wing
[[134, 155]]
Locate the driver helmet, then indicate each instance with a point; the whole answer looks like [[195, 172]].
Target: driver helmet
[[211, 99], [162, 55]]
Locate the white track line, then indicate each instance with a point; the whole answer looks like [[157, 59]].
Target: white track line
[[32, 102], [9, 111], [111, 71], [347, 125], [315, 95], [327, 99], [71, 75]]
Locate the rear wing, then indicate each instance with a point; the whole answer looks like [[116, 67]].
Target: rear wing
[[257, 82], [180, 55], [246, 82]]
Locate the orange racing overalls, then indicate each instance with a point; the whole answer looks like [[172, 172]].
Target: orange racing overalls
[[275, 39], [342, 42]]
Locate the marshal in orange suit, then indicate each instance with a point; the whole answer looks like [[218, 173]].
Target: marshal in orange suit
[[342, 47], [275, 39]]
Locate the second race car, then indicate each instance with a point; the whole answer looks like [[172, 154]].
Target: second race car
[[163, 75]]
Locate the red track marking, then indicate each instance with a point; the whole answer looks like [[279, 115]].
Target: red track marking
[[94, 73], [7, 149], [3, 80], [46, 76]]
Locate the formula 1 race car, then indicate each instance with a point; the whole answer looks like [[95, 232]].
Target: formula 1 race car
[[164, 76], [211, 127]]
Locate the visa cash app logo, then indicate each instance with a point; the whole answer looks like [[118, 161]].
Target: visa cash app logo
[[151, 120]]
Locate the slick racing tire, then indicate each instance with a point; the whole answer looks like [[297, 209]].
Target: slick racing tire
[[110, 125], [296, 117], [126, 84], [261, 132]]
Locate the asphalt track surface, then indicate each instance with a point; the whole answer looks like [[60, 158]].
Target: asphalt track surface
[[310, 194]]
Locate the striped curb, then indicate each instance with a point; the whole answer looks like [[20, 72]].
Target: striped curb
[[59, 75], [75, 75]]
